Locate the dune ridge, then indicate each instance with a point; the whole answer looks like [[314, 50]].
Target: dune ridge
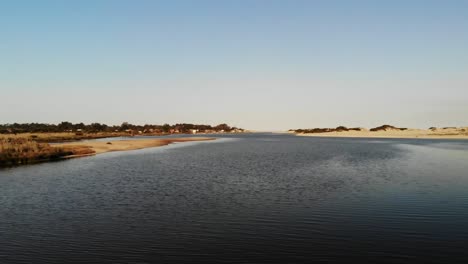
[[387, 131]]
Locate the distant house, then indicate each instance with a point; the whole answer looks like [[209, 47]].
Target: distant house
[[194, 131], [130, 131]]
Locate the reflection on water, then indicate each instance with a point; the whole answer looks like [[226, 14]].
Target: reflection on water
[[257, 198]]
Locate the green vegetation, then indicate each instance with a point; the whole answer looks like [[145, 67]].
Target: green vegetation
[[79, 129], [387, 127]]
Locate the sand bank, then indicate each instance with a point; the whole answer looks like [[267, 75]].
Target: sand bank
[[439, 133], [122, 145]]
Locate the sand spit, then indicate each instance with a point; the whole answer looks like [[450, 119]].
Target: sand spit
[[123, 145]]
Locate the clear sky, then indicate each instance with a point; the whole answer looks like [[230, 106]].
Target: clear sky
[[266, 64]]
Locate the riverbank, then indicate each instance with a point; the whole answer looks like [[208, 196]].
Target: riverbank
[[122, 145], [22, 150]]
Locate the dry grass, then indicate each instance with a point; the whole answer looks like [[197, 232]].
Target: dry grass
[[66, 136], [23, 149]]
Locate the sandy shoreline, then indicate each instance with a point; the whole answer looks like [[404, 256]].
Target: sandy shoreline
[[410, 133], [123, 145]]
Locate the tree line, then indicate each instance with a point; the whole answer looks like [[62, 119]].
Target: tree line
[[124, 127]]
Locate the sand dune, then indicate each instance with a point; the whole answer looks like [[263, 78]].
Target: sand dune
[[441, 133]]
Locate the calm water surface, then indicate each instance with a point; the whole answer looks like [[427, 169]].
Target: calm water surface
[[259, 198]]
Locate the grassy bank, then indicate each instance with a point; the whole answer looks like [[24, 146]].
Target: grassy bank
[[28, 148], [25, 149]]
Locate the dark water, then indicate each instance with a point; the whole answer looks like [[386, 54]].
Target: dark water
[[243, 199]]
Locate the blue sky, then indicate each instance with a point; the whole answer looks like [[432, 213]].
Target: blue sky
[[266, 65]]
